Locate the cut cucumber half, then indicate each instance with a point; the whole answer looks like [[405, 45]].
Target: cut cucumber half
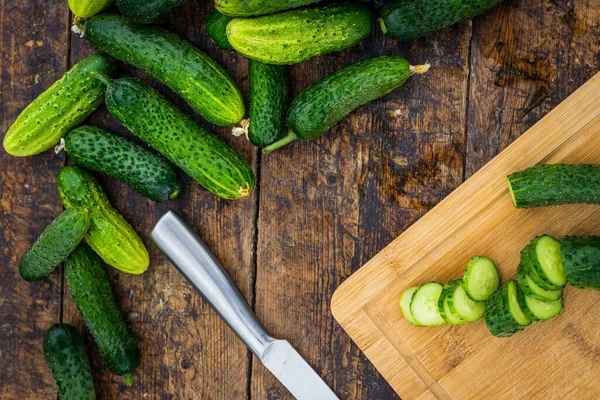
[[405, 300], [444, 307], [460, 304], [531, 289], [481, 278], [546, 256], [539, 310], [424, 304], [513, 305]]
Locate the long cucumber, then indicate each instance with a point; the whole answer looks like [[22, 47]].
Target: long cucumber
[[146, 11]]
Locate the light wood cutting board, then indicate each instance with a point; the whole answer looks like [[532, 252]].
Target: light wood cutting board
[[557, 359]]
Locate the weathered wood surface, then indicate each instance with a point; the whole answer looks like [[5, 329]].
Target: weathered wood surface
[[321, 210]]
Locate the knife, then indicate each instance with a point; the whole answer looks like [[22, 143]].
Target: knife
[[194, 260]]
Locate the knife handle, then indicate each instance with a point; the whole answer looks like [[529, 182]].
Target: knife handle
[[196, 262]]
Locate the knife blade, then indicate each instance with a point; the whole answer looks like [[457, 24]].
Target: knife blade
[[195, 261]]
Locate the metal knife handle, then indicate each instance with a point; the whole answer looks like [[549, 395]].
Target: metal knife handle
[[195, 261]]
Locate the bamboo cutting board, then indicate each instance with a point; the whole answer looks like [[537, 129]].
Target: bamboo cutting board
[[557, 359]]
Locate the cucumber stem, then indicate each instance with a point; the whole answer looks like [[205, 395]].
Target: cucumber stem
[[291, 136], [419, 69], [102, 77], [128, 378]]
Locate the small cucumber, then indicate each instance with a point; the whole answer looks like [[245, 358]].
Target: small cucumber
[[216, 29], [410, 19], [88, 8], [581, 259], [54, 245], [249, 8], [63, 106], [66, 357], [146, 11], [149, 174], [555, 184], [405, 301], [109, 234], [93, 296], [174, 61], [481, 278], [323, 104], [268, 102], [200, 154], [297, 35]]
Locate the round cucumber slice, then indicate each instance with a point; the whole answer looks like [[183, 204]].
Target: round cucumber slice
[[543, 310], [514, 307], [405, 300], [528, 285], [547, 251], [444, 307], [424, 304], [461, 305], [481, 278]]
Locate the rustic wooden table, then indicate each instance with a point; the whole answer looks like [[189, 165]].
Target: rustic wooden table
[[321, 209]]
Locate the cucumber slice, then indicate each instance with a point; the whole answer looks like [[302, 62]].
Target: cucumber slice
[[542, 310], [481, 278], [497, 318], [424, 304], [531, 288], [529, 268], [444, 307], [461, 305], [513, 305], [405, 300], [546, 256]]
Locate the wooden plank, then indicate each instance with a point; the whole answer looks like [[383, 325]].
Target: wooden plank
[[328, 205], [187, 351], [33, 55]]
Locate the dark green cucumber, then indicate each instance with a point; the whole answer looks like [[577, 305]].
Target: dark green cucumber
[[146, 11], [149, 174], [216, 29], [93, 296], [323, 104], [54, 245], [503, 315], [581, 260], [268, 102], [555, 184], [174, 61], [63, 106], [66, 357], [200, 154], [297, 35], [111, 237], [410, 19], [249, 8]]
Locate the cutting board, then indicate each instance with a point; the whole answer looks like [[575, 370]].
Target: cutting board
[[556, 359]]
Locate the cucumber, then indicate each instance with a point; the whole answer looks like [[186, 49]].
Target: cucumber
[[69, 363], [170, 59], [460, 304], [410, 19], [268, 102], [539, 310], [481, 278], [424, 304], [63, 106], [150, 175], [555, 184], [111, 237], [323, 104], [532, 269], [444, 305], [146, 11], [249, 8], [545, 254], [405, 301], [93, 296], [581, 260], [529, 286], [201, 155], [216, 29], [54, 245], [88, 8], [297, 35], [499, 318], [514, 308]]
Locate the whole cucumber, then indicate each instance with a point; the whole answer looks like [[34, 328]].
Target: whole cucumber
[[88, 8], [149, 174], [54, 245], [250, 8], [323, 104], [297, 35], [410, 19], [200, 154], [216, 29], [63, 106], [268, 102], [93, 296], [146, 11], [174, 61], [111, 237], [66, 357]]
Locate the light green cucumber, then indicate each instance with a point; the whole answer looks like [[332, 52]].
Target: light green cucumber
[[88, 8]]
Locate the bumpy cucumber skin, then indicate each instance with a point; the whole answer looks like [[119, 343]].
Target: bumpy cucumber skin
[[63, 106], [149, 174], [498, 318], [581, 260], [200, 154], [93, 296], [410, 19], [216, 29], [146, 11], [111, 237], [555, 184], [297, 35], [249, 8], [66, 357], [268, 102], [54, 245], [88, 8], [174, 61]]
